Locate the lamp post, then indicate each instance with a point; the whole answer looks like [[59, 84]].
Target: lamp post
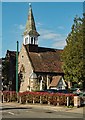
[[17, 67]]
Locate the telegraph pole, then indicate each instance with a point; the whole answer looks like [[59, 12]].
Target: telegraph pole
[[17, 67]]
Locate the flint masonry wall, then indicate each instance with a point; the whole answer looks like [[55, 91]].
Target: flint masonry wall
[[24, 59]]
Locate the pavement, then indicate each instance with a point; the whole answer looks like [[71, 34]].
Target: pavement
[[46, 107]]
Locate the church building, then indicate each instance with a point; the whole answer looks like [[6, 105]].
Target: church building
[[38, 67]]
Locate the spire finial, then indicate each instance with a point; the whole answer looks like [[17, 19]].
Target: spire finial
[[30, 5]]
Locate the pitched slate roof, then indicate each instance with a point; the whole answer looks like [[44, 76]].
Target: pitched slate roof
[[55, 81], [46, 60]]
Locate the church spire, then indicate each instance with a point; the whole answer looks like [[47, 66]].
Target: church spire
[[30, 34], [30, 25]]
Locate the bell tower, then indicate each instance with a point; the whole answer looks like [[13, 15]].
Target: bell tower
[[30, 36]]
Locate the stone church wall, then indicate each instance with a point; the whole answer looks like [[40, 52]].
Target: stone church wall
[[24, 60]]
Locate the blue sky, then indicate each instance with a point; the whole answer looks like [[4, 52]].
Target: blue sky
[[53, 22], [42, 0]]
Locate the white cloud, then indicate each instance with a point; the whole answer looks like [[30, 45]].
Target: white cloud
[[57, 39], [51, 35], [59, 44], [38, 25], [21, 27], [61, 27], [48, 34]]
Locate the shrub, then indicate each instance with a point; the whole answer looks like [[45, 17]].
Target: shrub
[[13, 96], [23, 97], [45, 97], [6, 95]]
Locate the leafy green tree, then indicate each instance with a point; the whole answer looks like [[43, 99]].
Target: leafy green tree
[[84, 47], [73, 55]]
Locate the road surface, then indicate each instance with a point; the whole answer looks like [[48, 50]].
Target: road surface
[[9, 111]]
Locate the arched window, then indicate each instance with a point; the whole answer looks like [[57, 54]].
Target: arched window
[[22, 73], [22, 68]]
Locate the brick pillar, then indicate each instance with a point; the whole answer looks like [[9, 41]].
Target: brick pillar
[[40, 100], [76, 101], [41, 83], [47, 82], [68, 101]]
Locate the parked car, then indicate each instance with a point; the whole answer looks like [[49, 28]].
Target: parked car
[[63, 91], [49, 90], [77, 91], [55, 91]]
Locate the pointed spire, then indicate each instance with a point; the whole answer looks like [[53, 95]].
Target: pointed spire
[[30, 25]]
